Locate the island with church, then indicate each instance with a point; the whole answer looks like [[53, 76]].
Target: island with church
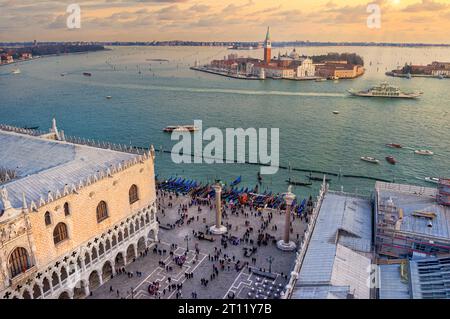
[[289, 66]]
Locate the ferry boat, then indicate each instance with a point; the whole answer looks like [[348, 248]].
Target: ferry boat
[[370, 159], [385, 90], [180, 128], [394, 145], [391, 160], [424, 152]]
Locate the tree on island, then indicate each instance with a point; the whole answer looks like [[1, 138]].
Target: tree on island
[[351, 58]]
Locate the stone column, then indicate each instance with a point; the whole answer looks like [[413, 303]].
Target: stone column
[[218, 228], [285, 244]]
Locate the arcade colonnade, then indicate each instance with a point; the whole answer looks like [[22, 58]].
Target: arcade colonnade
[[92, 263]]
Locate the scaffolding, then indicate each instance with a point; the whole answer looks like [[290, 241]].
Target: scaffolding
[[394, 241], [443, 194]]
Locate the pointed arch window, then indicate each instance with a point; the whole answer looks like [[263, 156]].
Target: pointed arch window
[[133, 194], [19, 261], [66, 209], [60, 233], [102, 211], [47, 219]]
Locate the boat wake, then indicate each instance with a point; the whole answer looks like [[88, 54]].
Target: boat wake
[[212, 90]]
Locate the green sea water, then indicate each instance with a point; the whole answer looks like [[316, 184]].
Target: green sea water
[[311, 136]]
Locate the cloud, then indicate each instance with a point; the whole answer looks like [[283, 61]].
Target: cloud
[[426, 5]]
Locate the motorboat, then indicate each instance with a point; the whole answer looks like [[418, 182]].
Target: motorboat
[[370, 159], [16, 71], [180, 128], [109, 97], [394, 145], [391, 160], [424, 152], [385, 90], [87, 74], [336, 112], [433, 180]]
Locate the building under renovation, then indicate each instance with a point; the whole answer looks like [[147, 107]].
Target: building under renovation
[[412, 219]]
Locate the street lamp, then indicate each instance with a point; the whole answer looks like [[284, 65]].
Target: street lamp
[[270, 259], [187, 239]]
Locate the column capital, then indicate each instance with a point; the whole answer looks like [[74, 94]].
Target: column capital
[[217, 188], [289, 198]]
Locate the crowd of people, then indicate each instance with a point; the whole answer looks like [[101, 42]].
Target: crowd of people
[[258, 230]]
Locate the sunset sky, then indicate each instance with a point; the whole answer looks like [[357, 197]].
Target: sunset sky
[[225, 20]]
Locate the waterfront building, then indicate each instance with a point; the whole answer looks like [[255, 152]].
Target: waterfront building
[[71, 212], [306, 68], [410, 219], [26, 56], [274, 71], [7, 58], [339, 70], [267, 48]]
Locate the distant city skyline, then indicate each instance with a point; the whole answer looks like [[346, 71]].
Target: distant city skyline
[[422, 21]]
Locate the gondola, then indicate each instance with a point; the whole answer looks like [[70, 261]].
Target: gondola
[[297, 183], [319, 179]]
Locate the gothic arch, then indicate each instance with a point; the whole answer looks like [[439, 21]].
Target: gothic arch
[[45, 285], [131, 253], [64, 295], [101, 249], [63, 273], [26, 294], [79, 290], [94, 280], [94, 254], [141, 244], [36, 291], [19, 261], [119, 260], [87, 259], [107, 271], [107, 245], [55, 279]]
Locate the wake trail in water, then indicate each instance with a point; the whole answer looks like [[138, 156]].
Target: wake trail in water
[[210, 90]]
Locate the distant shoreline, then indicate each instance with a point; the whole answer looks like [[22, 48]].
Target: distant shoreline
[[229, 44], [49, 56]]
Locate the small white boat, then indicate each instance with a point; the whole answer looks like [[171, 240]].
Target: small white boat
[[181, 128], [109, 97], [424, 152], [336, 112], [433, 180], [370, 159], [16, 71]]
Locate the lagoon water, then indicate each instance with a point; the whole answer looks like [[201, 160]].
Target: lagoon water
[[311, 136]]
